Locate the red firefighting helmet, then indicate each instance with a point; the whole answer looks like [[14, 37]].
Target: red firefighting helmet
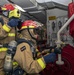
[[8, 7], [10, 11], [29, 24]]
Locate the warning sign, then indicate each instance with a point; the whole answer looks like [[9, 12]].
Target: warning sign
[[52, 17]]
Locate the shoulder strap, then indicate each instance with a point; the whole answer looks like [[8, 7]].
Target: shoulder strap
[[19, 41]]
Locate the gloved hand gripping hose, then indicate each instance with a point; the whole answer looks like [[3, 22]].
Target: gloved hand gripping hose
[[59, 61]]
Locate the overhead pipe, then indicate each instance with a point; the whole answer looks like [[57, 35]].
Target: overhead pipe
[[59, 42]]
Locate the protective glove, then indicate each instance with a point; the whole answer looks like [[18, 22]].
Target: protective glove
[[13, 22], [50, 58], [18, 71]]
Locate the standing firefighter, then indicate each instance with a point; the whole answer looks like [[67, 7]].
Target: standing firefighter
[[26, 50], [7, 30]]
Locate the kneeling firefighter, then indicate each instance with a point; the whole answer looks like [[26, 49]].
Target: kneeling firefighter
[[25, 54], [9, 18]]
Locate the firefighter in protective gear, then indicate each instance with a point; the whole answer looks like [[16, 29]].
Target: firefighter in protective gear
[[12, 16], [7, 32], [25, 52]]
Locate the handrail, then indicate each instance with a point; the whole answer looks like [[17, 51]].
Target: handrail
[[59, 42]]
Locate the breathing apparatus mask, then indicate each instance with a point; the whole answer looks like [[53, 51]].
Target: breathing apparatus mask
[[12, 14]]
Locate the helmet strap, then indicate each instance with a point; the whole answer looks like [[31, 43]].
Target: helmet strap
[[31, 34]]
